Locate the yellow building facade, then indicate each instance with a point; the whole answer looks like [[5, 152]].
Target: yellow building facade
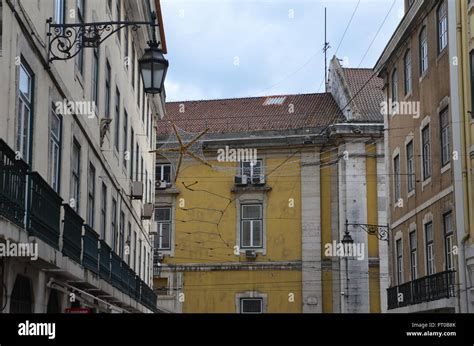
[[259, 235]]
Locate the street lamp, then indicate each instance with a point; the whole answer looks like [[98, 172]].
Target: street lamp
[[346, 242], [65, 41], [153, 67]]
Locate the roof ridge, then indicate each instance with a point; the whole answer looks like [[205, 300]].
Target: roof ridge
[[247, 97]]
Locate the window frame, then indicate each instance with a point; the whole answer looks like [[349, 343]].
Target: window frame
[[394, 87], [429, 249], [252, 168], [117, 119], [397, 187], [160, 172], [413, 255], [91, 195], [450, 260], [158, 241], [55, 142], [426, 152], [242, 299], [252, 221], [407, 71], [442, 26], [423, 50], [410, 165], [103, 211], [24, 126], [76, 175], [444, 137], [399, 260]]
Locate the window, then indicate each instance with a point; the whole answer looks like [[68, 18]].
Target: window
[[426, 156], [25, 113], [117, 119], [163, 172], [394, 86], [113, 224], [109, 5], [132, 140], [413, 260], [396, 175], [399, 255], [122, 234], [103, 212], [119, 13], [95, 76], [444, 126], [140, 258], [76, 175], [142, 170], [126, 42], [91, 196], [143, 102], [423, 41], [163, 229], [410, 167], [107, 89], [145, 183], [448, 241], [442, 20], [471, 59], [128, 252], [59, 11], [251, 226], [80, 17], [137, 150], [133, 66], [251, 305], [407, 70], [430, 262], [125, 140], [133, 253], [251, 168], [55, 150]]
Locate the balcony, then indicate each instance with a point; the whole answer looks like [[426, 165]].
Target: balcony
[[116, 269], [90, 256], [45, 211], [425, 289], [104, 261], [72, 234], [12, 185]]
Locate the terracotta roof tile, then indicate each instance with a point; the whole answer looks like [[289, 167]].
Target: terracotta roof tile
[[369, 98], [250, 114]]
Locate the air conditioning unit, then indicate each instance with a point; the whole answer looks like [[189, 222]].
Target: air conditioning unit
[[258, 179], [148, 209], [241, 180], [137, 190], [250, 254], [161, 184]]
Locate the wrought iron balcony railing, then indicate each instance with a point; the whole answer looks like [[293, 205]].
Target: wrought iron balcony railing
[[44, 211], [116, 270], [90, 256], [12, 185], [104, 261], [72, 234], [428, 288]]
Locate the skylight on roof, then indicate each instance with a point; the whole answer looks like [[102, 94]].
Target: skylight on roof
[[270, 101]]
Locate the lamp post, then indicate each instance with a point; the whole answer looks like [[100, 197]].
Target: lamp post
[[346, 241], [65, 41]]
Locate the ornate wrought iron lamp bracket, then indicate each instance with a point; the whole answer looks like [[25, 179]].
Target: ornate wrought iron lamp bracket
[[65, 41], [381, 231]]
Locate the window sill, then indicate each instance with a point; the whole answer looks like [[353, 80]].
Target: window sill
[[441, 54], [423, 76], [446, 168], [168, 191], [427, 181], [251, 188], [407, 96], [411, 193]]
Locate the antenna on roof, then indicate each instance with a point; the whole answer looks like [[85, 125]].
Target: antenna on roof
[[325, 50]]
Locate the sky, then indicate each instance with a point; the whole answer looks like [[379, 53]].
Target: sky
[[243, 48]]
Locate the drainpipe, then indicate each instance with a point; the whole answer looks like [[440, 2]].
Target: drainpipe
[[454, 32]]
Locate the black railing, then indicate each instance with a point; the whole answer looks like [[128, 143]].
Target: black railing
[[104, 261], [125, 277], [90, 243], [72, 234], [12, 185], [132, 276], [116, 269], [428, 288], [44, 211]]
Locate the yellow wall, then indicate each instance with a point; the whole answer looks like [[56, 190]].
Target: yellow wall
[[200, 240], [216, 291]]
